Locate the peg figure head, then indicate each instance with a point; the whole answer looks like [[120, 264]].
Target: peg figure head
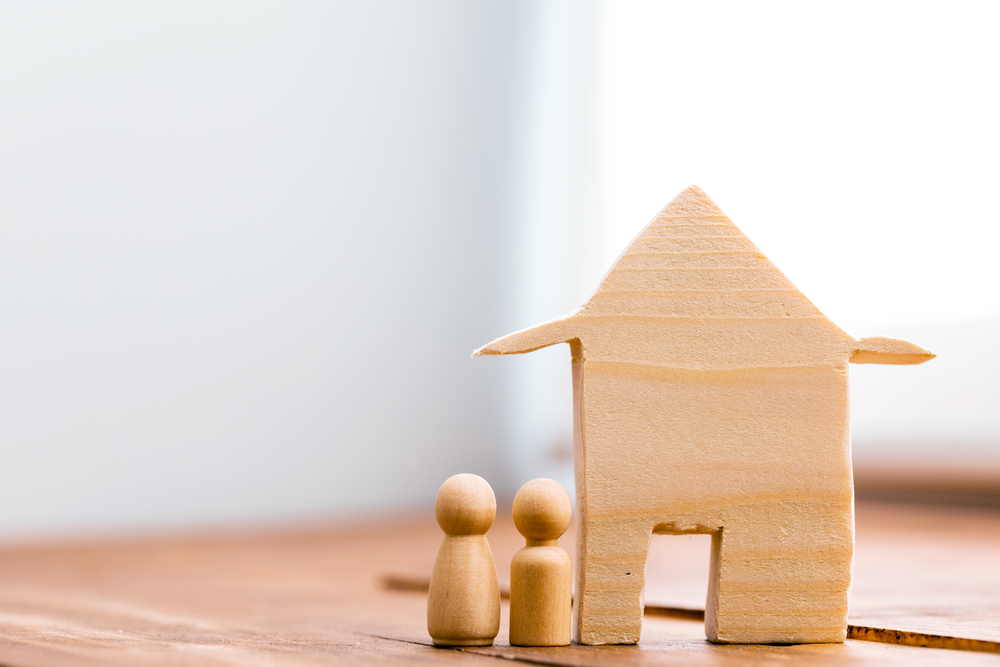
[[465, 505], [542, 510]]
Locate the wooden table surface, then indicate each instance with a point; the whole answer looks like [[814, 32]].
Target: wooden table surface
[[317, 596]]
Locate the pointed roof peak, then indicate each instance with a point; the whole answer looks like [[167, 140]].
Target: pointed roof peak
[[692, 191], [691, 261], [692, 202]]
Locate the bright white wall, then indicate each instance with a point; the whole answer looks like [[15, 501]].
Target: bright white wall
[[855, 143], [945, 413], [245, 253], [559, 229], [245, 250]]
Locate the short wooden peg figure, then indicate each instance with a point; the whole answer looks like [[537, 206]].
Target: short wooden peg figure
[[541, 572], [463, 604]]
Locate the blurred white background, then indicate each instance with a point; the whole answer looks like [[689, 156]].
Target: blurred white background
[[855, 143], [247, 249]]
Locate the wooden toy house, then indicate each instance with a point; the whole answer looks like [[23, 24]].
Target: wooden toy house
[[710, 396]]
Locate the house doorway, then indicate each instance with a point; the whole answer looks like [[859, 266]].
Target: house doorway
[[677, 576]]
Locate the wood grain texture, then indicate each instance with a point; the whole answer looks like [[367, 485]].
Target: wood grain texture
[[922, 639], [463, 600], [924, 575], [314, 596], [711, 397], [541, 573], [920, 571]]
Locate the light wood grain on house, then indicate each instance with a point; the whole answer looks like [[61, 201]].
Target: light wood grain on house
[[710, 396]]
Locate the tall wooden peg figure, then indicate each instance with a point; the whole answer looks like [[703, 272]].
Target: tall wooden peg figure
[[541, 573], [463, 604]]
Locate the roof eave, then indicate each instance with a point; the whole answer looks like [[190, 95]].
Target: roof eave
[[531, 339], [879, 350]]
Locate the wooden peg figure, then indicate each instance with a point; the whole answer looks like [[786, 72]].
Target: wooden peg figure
[[463, 604], [541, 572]]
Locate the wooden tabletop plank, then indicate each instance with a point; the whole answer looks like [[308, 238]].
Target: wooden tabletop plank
[[315, 596]]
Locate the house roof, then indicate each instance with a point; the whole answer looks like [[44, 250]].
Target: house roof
[[692, 261], [692, 291]]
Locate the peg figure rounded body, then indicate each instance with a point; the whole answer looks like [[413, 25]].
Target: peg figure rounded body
[[463, 604], [541, 572]]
